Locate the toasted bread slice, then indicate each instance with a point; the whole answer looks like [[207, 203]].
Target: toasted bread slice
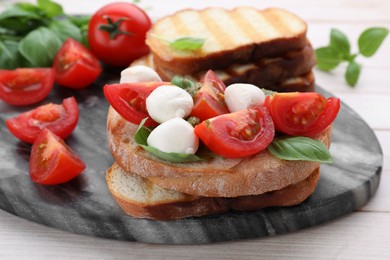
[[141, 198], [241, 35], [216, 177], [300, 83], [284, 74]]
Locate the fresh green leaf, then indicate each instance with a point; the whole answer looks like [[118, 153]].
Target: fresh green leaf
[[19, 11], [51, 8], [339, 42], [328, 58], [10, 58], [40, 46], [352, 73], [19, 20], [370, 40], [29, 7], [64, 29], [300, 149], [80, 20], [187, 43], [172, 157], [186, 84], [84, 35], [141, 137]]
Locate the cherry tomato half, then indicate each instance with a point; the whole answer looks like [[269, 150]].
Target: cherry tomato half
[[302, 114], [52, 161], [209, 100], [129, 100], [117, 33], [60, 119], [237, 134], [75, 66], [25, 86]]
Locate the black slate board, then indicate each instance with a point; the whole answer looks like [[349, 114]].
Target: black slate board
[[85, 206]]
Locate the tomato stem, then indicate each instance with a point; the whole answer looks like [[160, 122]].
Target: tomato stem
[[113, 27]]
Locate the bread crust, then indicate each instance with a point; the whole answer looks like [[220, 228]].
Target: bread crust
[[192, 206], [233, 51], [217, 177]]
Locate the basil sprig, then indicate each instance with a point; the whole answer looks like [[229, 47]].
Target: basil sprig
[[187, 43], [300, 149], [183, 43], [186, 84], [31, 34], [141, 137], [339, 51]]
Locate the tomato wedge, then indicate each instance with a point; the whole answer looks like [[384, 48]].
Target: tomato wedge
[[25, 86], [209, 100], [75, 66], [129, 100], [302, 114], [60, 119], [237, 134], [52, 161]]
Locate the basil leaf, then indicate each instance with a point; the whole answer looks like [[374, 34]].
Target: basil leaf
[[10, 58], [172, 157], [186, 84], [352, 73], [40, 46], [141, 137], [339, 42], [187, 43], [328, 58], [51, 8], [370, 40], [64, 29], [300, 149], [19, 20], [80, 21], [29, 7]]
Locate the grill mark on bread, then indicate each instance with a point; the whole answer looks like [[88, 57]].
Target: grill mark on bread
[[180, 26], [277, 23], [263, 28], [209, 23], [244, 24], [199, 29]]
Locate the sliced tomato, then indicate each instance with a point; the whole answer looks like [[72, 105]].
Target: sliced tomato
[[129, 100], [237, 134], [60, 119], [25, 86], [52, 161], [302, 114], [75, 66], [209, 101]]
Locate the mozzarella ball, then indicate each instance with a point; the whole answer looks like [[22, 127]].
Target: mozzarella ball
[[174, 136], [139, 73], [167, 102], [242, 96]]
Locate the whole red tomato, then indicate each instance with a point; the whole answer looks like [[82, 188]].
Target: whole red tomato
[[117, 33]]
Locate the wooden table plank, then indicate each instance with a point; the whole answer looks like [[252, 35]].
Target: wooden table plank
[[355, 236]]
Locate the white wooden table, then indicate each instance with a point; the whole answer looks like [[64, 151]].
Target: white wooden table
[[364, 234]]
